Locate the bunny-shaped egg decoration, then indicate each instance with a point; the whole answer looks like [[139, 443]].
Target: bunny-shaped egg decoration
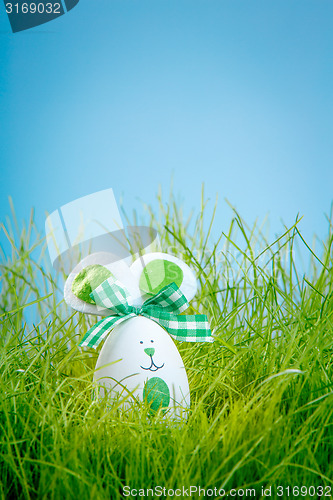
[[141, 304]]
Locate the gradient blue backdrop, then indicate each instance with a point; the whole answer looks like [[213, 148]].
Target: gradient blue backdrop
[[121, 93]]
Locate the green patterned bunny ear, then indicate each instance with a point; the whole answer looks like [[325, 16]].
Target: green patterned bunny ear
[[89, 274], [159, 273], [87, 280], [154, 271]]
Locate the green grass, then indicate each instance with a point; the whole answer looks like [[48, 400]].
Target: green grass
[[262, 399]]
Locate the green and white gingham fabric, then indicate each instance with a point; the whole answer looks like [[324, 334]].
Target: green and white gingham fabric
[[162, 308]]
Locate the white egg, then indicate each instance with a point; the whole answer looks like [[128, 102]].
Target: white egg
[[140, 360]]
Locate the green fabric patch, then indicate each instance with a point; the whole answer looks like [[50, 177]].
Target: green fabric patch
[[87, 280], [156, 393], [158, 274]]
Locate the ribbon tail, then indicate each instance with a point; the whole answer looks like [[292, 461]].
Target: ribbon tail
[[99, 331], [183, 327]]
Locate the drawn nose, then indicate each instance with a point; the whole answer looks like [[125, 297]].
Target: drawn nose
[[150, 351]]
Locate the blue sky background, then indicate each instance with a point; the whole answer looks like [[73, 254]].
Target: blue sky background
[[123, 93]]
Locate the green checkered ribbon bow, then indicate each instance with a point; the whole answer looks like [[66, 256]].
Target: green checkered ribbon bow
[[161, 308]]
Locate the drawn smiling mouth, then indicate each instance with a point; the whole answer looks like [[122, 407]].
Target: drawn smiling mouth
[[152, 367]]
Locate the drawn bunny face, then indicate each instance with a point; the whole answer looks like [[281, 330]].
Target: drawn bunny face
[[129, 364], [138, 357], [152, 345]]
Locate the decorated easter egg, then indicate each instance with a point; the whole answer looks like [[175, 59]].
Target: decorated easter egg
[[139, 360], [140, 306], [141, 310]]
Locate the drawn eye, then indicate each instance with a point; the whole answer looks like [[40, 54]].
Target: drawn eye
[[151, 341], [141, 341]]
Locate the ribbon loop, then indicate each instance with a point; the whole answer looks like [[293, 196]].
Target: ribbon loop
[[112, 295], [162, 308], [170, 299]]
